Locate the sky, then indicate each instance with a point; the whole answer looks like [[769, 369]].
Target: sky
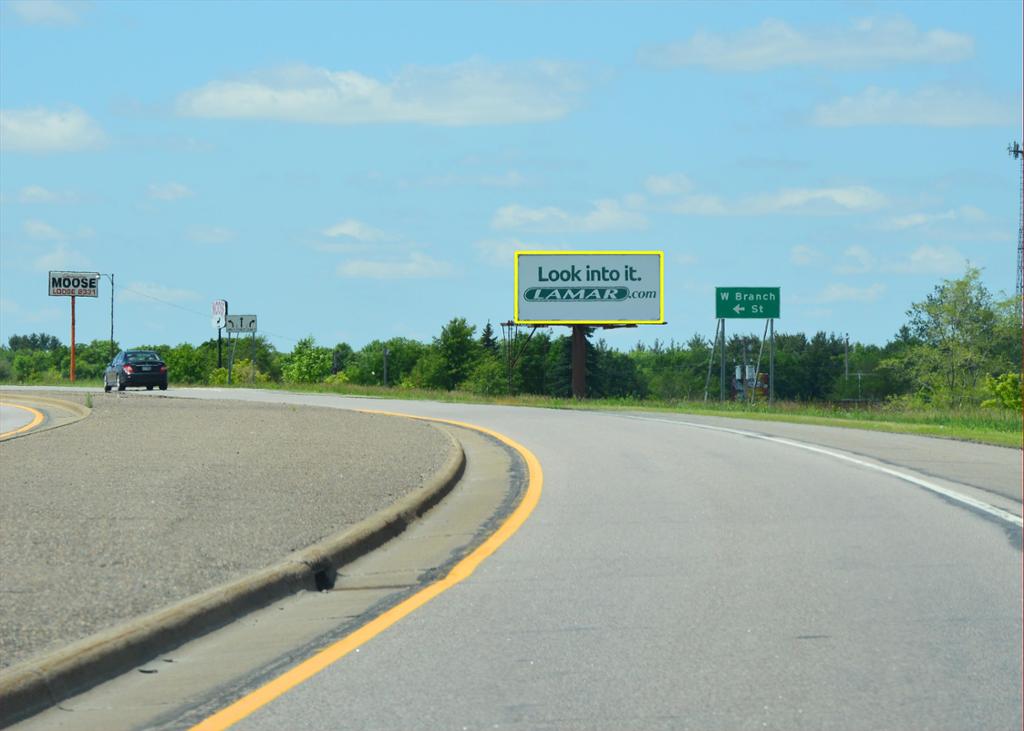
[[361, 171]]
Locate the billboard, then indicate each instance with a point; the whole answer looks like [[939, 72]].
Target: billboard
[[74, 284], [589, 287]]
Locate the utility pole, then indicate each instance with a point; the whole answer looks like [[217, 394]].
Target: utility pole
[[846, 356], [111, 278]]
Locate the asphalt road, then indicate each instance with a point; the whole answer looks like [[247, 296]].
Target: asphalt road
[[676, 576], [682, 578]]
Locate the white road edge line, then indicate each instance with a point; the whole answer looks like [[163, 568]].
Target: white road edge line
[[952, 495]]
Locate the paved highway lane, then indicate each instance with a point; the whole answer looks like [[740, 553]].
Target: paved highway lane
[[674, 577]]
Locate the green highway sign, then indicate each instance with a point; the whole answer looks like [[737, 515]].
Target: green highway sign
[[761, 303]]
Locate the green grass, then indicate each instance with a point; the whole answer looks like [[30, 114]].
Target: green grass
[[1002, 427]]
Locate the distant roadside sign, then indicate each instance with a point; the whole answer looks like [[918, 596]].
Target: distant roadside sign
[[759, 303], [220, 312], [589, 287], [240, 323], [74, 284]]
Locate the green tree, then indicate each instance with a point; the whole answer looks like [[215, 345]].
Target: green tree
[[487, 339], [961, 335], [458, 351], [488, 377], [307, 363]]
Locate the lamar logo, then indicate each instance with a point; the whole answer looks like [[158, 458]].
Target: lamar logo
[[575, 294]]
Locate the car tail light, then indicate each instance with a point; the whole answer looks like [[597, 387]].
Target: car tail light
[[163, 369], [128, 369]]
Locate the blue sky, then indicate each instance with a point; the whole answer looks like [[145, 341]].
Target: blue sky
[[359, 171]]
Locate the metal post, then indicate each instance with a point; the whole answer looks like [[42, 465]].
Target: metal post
[[711, 360], [771, 363], [252, 358], [385, 367], [721, 374], [846, 357], [220, 359], [72, 338], [579, 362], [231, 356]]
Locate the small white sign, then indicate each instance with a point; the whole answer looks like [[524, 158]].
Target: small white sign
[[220, 312], [240, 323], [74, 284]]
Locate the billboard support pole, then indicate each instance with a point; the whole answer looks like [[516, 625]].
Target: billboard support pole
[[72, 338], [579, 362], [771, 362]]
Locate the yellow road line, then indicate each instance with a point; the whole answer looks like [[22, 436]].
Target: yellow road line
[[37, 419], [462, 570]]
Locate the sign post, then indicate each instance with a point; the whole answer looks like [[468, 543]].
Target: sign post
[[749, 303], [73, 285], [583, 289], [235, 324]]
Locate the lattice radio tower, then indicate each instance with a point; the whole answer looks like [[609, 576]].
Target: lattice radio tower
[[1017, 153]]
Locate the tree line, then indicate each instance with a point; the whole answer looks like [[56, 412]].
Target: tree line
[[960, 346]]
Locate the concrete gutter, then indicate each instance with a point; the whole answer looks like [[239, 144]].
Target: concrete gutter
[[44, 681]]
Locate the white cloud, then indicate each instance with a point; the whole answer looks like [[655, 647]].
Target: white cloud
[[805, 256], [913, 220], [45, 12], [42, 231], [416, 266], [468, 93], [933, 107], [43, 130], [846, 293], [37, 194], [673, 184], [605, 215], [500, 252], [210, 234], [353, 229], [817, 200], [169, 191], [774, 43], [856, 260], [928, 260], [699, 205], [61, 259], [148, 291]]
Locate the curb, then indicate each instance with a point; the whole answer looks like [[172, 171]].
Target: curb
[[34, 685], [77, 413]]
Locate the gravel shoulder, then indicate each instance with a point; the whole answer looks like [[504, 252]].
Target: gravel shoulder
[[150, 500]]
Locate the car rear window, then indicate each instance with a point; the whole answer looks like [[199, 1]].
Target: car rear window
[[142, 356]]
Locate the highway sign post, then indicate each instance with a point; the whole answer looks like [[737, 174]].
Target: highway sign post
[[73, 285], [746, 303], [219, 310], [587, 289], [235, 324]]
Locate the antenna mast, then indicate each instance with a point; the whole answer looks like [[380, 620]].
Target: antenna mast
[[1016, 152]]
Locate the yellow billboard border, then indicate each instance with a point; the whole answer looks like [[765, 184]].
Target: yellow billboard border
[[591, 252]]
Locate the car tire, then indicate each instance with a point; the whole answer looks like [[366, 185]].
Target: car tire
[[163, 386], [106, 386], [149, 388], [120, 384]]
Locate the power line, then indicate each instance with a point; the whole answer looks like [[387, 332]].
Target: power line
[[204, 315]]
